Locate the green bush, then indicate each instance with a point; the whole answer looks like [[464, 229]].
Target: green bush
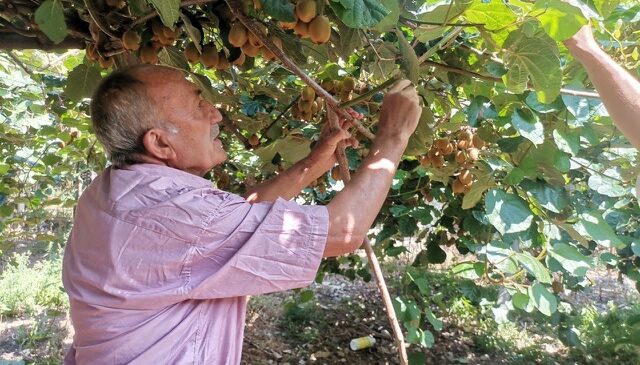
[[26, 289]]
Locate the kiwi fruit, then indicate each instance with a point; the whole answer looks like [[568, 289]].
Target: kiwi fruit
[[320, 29], [238, 34], [306, 10], [131, 40], [209, 56], [191, 53], [308, 94]]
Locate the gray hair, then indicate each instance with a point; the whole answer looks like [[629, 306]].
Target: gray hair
[[122, 112]]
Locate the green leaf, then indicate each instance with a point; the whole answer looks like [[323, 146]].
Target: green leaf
[[551, 197], [571, 259], [507, 212], [409, 62], [421, 139], [282, 10], [485, 181], [420, 279], [50, 18], [606, 185], [82, 81], [292, 148], [169, 10], [535, 267], [493, 15], [435, 322], [193, 32], [635, 247], [528, 125], [567, 141], [559, 19], [359, 13], [520, 300], [391, 20], [534, 58], [592, 224], [544, 300]]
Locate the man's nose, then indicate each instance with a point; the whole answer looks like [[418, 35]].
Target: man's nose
[[216, 116]]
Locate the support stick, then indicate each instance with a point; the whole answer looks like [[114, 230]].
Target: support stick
[[373, 260]]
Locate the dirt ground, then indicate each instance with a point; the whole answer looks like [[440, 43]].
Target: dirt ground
[[341, 311]]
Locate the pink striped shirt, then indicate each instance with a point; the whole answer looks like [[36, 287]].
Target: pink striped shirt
[[158, 266]]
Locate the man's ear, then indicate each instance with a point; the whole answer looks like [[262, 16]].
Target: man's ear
[[158, 145]]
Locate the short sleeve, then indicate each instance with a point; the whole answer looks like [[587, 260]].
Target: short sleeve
[[250, 249]]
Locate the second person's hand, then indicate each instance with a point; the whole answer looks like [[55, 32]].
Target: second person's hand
[[400, 111]]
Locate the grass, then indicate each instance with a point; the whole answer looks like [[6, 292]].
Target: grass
[[27, 289]]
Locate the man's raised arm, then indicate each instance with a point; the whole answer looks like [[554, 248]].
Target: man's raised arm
[[354, 209], [619, 90]]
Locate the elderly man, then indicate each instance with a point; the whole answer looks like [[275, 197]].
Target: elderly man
[[159, 263]]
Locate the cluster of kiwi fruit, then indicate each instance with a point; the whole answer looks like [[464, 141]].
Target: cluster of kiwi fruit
[[461, 149], [344, 88], [309, 24], [308, 104]]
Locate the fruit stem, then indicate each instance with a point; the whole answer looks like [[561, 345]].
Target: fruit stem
[[370, 93], [331, 102]]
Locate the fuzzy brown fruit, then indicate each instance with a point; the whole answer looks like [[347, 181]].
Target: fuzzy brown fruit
[[438, 161], [478, 142], [465, 177], [250, 50], [306, 10], [253, 39], [425, 161], [305, 105], [349, 83], [191, 53], [301, 29], [473, 154], [131, 40], [457, 187], [433, 152], [320, 29], [442, 143], [288, 25], [463, 144], [460, 157], [223, 63], [148, 54], [308, 94], [238, 34], [209, 56], [335, 174], [92, 52], [254, 140], [466, 135], [448, 149], [106, 62]]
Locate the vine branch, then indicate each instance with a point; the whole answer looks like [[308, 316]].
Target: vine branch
[[332, 103]]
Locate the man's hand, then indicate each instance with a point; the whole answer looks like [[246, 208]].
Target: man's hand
[[582, 42], [400, 112], [323, 153]]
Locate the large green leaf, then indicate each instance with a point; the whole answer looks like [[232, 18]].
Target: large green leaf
[[359, 13], [592, 224], [169, 10], [485, 181], [493, 15], [571, 259], [607, 183], [280, 9], [391, 20], [50, 19], [545, 301], [82, 81], [559, 19], [551, 197], [422, 137], [409, 62], [528, 125], [534, 58], [507, 212], [535, 267], [567, 141], [292, 149]]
